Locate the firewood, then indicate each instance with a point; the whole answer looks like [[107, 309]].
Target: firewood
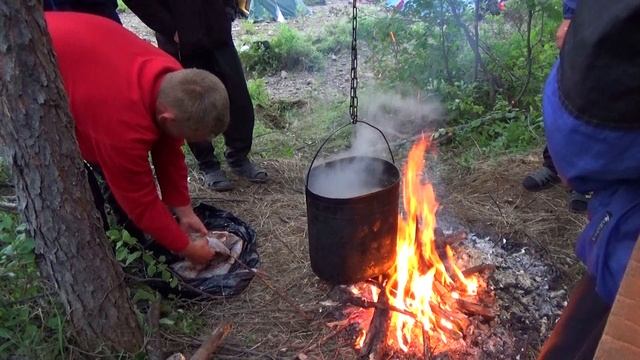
[[210, 345], [478, 269], [426, 348], [475, 309], [374, 343], [442, 239]]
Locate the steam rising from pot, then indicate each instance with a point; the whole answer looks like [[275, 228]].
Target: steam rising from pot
[[356, 174]]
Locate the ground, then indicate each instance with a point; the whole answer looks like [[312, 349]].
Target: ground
[[485, 198]]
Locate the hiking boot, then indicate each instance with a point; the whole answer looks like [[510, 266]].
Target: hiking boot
[[217, 180], [248, 170], [541, 179], [578, 202]]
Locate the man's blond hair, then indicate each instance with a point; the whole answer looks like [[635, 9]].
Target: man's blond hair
[[199, 101]]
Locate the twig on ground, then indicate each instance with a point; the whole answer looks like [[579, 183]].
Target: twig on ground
[[210, 345]]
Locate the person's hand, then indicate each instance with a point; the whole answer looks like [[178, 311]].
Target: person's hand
[[562, 32], [189, 221], [198, 252]]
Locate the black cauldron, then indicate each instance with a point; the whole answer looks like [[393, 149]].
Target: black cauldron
[[352, 238]]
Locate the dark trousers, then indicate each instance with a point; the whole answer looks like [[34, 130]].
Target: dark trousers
[[223, 62], [547, 161], [580, 327]]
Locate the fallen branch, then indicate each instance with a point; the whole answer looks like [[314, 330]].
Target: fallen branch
[[210, 345], [378, 305], [478, 269], [373, 347], [476, 309]]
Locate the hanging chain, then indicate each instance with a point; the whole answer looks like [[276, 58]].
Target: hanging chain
[[353, 104]]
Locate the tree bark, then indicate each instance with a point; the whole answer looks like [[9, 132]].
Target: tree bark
[[51, 186]]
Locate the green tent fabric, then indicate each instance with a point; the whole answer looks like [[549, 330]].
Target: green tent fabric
[[276, 10]]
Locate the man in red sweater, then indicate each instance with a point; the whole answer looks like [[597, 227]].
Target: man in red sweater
[[129, 99]]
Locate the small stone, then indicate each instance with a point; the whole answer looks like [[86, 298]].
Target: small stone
[[284, 74], [310, 81], [333, 57]]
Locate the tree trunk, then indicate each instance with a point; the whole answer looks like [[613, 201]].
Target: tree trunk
[[474, 44], [443, 44], [51, 186], [529, 59], [476, 35]]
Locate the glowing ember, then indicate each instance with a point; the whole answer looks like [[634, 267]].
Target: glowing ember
[[421, 282]]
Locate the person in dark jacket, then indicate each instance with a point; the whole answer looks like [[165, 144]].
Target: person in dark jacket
[[104, 8], [198, 34], [591, 109], [547, 175]]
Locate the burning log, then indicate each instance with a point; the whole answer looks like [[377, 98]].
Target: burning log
[[374, 343], [478, 269], [426, 349], [476, 309], [442, 239]]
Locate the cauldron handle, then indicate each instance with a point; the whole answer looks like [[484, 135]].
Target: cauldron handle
[[393, 160]]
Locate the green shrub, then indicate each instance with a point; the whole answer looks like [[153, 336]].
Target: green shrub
[[288, 50], [334, 38], [32, 324], [258, 92]]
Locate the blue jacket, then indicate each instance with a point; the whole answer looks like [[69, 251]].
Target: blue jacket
[[606, 161], [569, 8]]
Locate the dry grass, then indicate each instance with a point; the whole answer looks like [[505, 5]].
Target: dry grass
[[487, 199], [264, 326], [490, 199]]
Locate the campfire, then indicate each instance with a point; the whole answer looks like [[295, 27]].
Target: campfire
[[424, 303]]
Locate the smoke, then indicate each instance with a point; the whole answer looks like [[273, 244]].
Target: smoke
[[400, 118]]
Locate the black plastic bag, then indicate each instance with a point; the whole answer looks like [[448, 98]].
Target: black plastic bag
[[229, 284]]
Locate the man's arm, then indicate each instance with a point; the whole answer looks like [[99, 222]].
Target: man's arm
[[130, 178], [171, 172]]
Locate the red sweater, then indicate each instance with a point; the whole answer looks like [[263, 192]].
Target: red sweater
[[112, 79]]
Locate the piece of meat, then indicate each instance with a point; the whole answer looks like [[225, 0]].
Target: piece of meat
[[227, 248]]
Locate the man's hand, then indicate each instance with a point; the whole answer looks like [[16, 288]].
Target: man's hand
[[198, 252], [189, 221], [562, 32]]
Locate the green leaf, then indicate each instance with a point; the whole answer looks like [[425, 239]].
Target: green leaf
[[144, 294], [148, 258], [132, 257], [174, 282], [113, 234], [54, 322], [162, 258], [166, 276], [151, 269], [166, 321], [126, 237], [121, 254], [5, 333]]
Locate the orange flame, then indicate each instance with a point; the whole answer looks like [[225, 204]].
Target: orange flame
[[418, 268]]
